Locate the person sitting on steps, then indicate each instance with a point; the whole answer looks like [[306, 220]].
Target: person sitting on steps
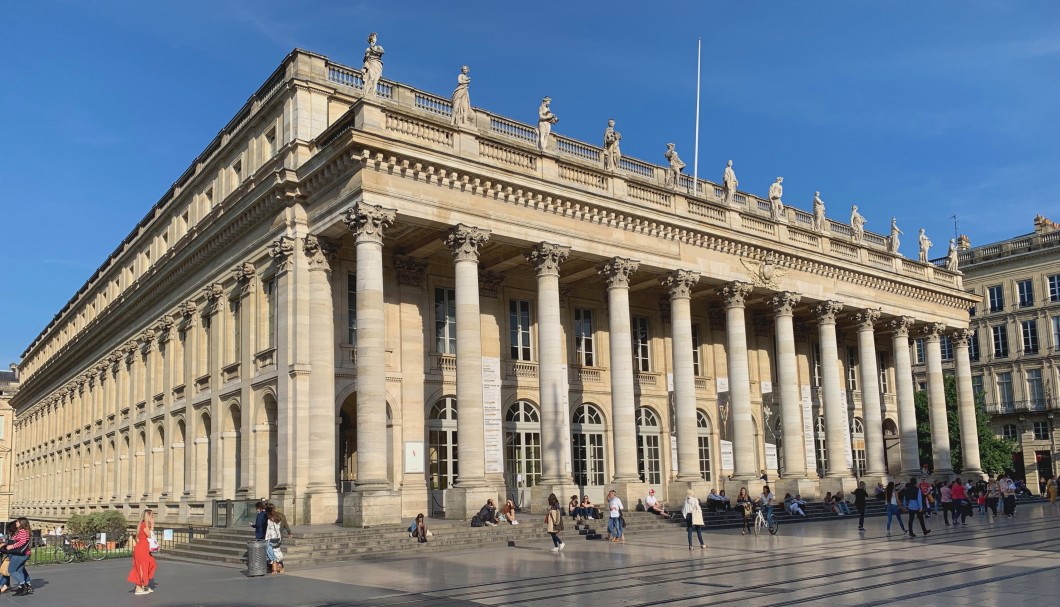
[[488, 513], [652, 505]]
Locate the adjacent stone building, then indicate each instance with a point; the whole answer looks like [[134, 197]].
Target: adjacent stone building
[[8, 389], [342, 284]]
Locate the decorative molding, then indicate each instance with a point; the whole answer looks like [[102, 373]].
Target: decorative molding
[[617, 272], [465, 241], [867, 318], [367, 221], [963, 337], [735, 294], [546, 257], [319, 252], [784, 303], [679, 283], [489, 284], [900, 326], [765, 273], [826, 311], [410, 271], [933, 330], [282, 252]]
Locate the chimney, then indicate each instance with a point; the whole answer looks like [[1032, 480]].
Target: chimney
[[14, 370]]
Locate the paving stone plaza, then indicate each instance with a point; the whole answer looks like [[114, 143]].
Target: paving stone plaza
[[989, 562]]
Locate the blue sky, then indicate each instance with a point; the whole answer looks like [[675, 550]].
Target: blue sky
[[911, 109]]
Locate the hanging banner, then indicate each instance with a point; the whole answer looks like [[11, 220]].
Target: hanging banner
[[673, 453], [727, 462], [771, 457], [807, 429], [846, 430], [493, 440]]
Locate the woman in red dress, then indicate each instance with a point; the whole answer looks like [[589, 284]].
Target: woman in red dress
[[143, 567]]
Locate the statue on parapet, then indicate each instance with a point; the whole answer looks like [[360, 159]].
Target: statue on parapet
[[730, 182], [545, 120], [892, 242], [818, 213], [462, 113], [857, 225], [776, 205], [951, 256], [925, 245], [373, 65], [612, 151], [673, 174]]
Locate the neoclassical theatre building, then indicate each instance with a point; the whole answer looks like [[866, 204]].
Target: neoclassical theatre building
[[364, 304]]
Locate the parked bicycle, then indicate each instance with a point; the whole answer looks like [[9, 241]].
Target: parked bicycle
[[760, 521], [77, 547]]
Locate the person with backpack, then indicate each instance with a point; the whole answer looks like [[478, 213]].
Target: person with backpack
[[916, 505]]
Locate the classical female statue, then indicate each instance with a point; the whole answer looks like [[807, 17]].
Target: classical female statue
[[925, 244], [951, 256], [730, 183], [892, 242], [462, 113], [776, 205], [373, 65], [612, 152], [676, 165], [818, 212], [857, 224], [545, 120]]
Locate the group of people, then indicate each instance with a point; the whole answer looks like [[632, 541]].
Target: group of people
[[270, 525], [489, 516], [16, 550]]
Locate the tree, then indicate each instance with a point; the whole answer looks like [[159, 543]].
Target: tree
[[995, 454]]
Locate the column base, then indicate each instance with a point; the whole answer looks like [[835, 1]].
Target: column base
[[832, 484], [629, 493], [677, 490], [462, 503], [321, 506], [809, 489], [563, 490], [369, 507], [732, 487]]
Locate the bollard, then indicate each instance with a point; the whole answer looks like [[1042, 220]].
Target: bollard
[[257, 561]]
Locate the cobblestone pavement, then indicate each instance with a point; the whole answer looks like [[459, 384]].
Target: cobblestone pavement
[[989, 562]]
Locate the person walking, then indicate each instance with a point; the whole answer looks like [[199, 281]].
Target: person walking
[[860, 496], [614, 522], [261, 521], [893, 501], [915, 504], [1008, 494], [143, 563], [553, 523], [693, 513], [744, 503], [959, 495], [18, 552], [1050, 492], [946, 499], [273, 539]]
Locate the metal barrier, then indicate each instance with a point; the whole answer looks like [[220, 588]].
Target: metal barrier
[[234, 513]]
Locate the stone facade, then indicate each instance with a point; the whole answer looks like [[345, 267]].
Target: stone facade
[[1015, 342], [8, 389], [341, 285]]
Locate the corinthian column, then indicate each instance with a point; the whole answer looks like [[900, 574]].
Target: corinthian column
[[966, 405], [903, 373], [367, 223], [743, 443], [679, 284], [616, 273], [940, 427], [794, 444], [546, 259], [465, 242], [835, 413], [870, 392]]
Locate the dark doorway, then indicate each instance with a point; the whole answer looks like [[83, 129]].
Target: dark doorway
[[1019, 471], [1044, 459]]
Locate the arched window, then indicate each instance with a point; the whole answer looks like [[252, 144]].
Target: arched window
[[820, 445], [522, 444], [441, 433], [587, 447], [703, 436], [857, 442], [649, 461]]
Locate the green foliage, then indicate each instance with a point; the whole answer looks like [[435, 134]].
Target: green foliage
[[995, 454], [111, 522]]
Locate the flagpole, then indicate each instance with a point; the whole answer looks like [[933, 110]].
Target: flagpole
[[695, 159]]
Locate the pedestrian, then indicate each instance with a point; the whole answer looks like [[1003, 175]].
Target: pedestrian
[[959, 496], [261, 521], [273, 539], [17, 550], [894, 506], [860, 496], [614, 522], [284, 527], [993, 496], [915, 504], [745, 505], [694, 519], [143, 562], [1008, 493], [1050, 491], [946, 500], [554, 523]]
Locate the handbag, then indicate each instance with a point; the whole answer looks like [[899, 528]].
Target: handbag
[[5, 567], [558, 525], [152, 543], [275, 541]]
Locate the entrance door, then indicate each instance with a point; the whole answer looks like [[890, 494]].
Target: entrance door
[[522, 451], [587, 446], [441, 453], [1045, 468]]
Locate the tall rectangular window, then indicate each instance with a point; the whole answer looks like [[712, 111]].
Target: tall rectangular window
[[1029, 330], [946, 346], [1004, 389], [973, 346], [445, 320], [815, 364], [1056, 333], [1054, 287], [977, 385], [270, 313], [236, 350], [1035, 390], [696, 369], [996, 298], [1025, 291], [1041, 431], [918, 350], [641, 344], [351, 309], [583, 337], [519, 329], [2, 428], [1000, 341], [852, 363], [882, 362]]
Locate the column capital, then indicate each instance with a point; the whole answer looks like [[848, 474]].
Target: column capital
[[319, 251], [163, 328], [679, 283], [188, 310], [826, 311], [410, 271], [214, 294], [866, 319], [961, 337], [282, 252], [367, 221], [900, 326], [546, 257], [933, 330], [784, 303], [617, 272], [735, 293], [244, 272], [147, 341], [464, 241]]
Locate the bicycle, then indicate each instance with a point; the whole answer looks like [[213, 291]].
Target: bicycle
[[760, 521], [77, 548]]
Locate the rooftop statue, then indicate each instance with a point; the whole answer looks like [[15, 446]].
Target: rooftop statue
[[730, 182], [818, 212], [545, 120], [892, 242], [612, 152], [925, 244], [462, 113], [951, 256], [776, 205], [373, 65], [857, 224], [676, 165]]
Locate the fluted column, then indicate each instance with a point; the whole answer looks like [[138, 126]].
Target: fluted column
[[940, 427], [835, 413], [966, 405], [679, 284], [903, 379], [367, 223], [870, 392], [616, 273], [743, 444], [546, 259], [794, 444], [465, 242]]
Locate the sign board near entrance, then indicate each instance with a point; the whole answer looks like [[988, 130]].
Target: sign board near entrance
[[726, 455], [491, 415]]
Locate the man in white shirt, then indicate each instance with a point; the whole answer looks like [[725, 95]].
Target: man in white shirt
[[614, 521], [652, 505]]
